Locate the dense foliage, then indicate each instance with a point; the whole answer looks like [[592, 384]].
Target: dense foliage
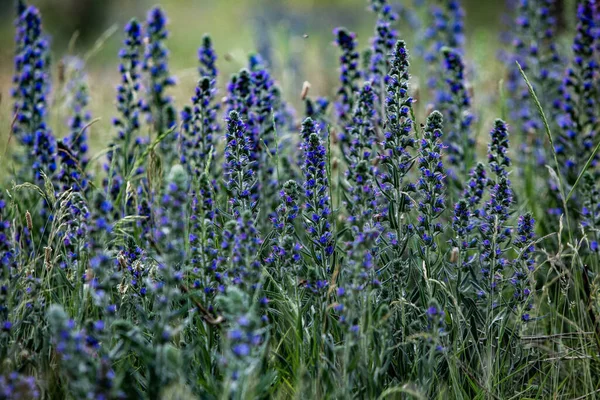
[[244, 249]]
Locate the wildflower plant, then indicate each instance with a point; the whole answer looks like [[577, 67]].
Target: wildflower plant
[[207, 58], [382, 45], [399, 141], [317, 208], [267, 260], [349, 74], [155, 64], [31, 78], [239, 167], [536, 50], [121, 156], [285, 256], [431, 183], [456, 104], [578, 122], [78, 101], [446, 29], [361, 196], [199, 127]]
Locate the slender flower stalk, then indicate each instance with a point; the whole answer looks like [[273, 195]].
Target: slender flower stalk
[[266, 107], [396, 158], [207, 58], [171, 216], [158, 105], [78, 102], [495, 227], [122, 153], [30, 92], [317, 208], [498, 149], [382, 46], [431, 184], [361, 201], [349, 74], [239, 170], [523, 266], [536, 50], [72, 150], [456, 105], [285, 257], [199, 128], [445, 30], [476, 186], [579, 123], [203, 239]]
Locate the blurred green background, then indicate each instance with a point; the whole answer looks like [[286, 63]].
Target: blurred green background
[[294, 35]]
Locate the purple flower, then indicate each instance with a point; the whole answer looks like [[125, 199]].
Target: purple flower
[[239, 167], [431, 185], [316, 187], [207, 58], [382, 44], [579, 91], [498, 149], [456, 106], [158, 105], [349, 74]]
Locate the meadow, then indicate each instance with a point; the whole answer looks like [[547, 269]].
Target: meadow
[[419, 219]]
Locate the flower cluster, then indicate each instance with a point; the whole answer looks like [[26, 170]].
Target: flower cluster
[[203, 238], [199, 127], [285, 254], [239, 169], [72, 150], [18, 387], [476, 186], [207, 58], [121, 156], [158, 105], [431, 183], [398, 142], [316, 192], [494, 226], [498, 149], [31, 78], [445, 30], [31, 87], [255, 261], [382, 44], [579, 123], [536, 50], [361, 200], [266, 107], [525, 261], [78, 103], [456, 106], [349, 74], [171, 218]]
